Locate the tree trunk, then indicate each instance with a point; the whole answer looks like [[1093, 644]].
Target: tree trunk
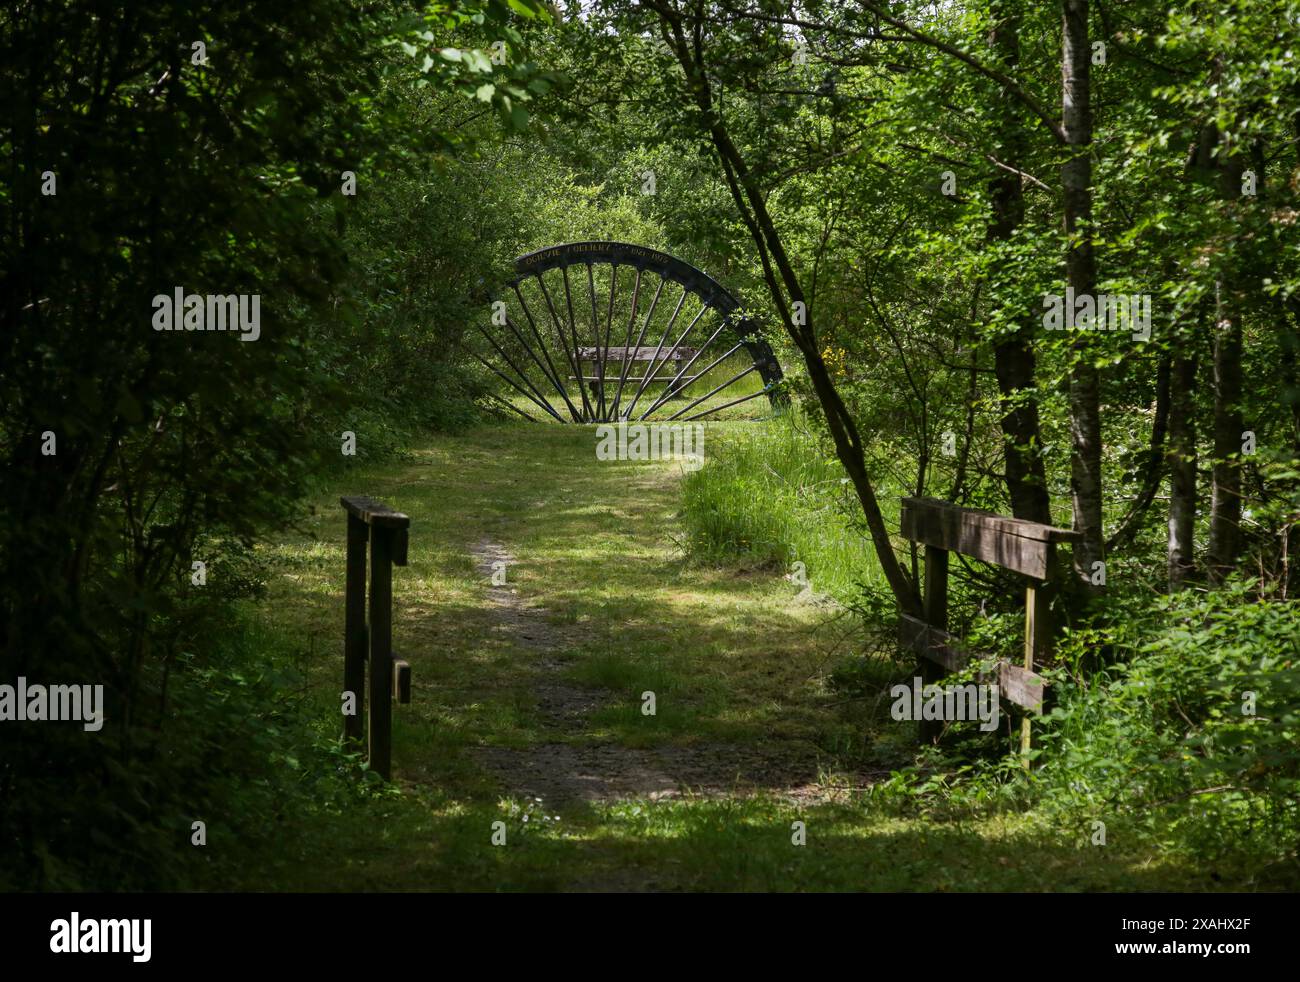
[[785, 289], [1180, 551], [1013, 358], [1289, 396], [1081, 276], [1225, 490]]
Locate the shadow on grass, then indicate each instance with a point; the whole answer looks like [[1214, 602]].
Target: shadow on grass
[[740, 844]]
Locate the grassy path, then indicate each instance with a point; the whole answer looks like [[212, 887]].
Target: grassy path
[[528, 704]]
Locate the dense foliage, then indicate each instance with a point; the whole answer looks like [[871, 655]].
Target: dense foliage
[[896, 190], [202, 148]]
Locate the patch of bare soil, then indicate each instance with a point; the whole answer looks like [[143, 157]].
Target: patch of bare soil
[[561, 703], [563, 773]]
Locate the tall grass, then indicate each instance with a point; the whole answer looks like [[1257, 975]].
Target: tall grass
[[769, 495]]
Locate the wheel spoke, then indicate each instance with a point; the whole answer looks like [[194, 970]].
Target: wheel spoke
[[554, 375], [524, 345], [650, 372], [714, 391]]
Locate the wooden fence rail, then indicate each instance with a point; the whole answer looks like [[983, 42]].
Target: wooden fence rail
[[370, 640], [1023, 547]]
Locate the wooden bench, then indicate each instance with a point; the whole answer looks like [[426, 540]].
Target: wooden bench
[[602, 358]]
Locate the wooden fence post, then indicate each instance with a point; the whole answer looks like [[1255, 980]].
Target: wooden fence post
[[1038, 646], [935, 612], [354, 627], [370, 645], [381, 650]]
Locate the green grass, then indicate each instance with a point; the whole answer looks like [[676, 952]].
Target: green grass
[[738, 660], [767, 493], [428, 842]]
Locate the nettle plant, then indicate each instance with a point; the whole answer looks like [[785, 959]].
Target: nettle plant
[[1193, 729]]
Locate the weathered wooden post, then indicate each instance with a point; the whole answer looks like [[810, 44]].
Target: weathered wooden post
[[935, 611], [388, 535], [354, 627], [402, 680], [381, 651], [1038, 643]]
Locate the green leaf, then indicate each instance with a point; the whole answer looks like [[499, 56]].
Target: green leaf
[[477, 61]]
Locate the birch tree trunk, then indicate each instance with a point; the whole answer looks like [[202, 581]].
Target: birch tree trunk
[[1013, 358], [1225, 489], [1081, 276], [1180, 549]]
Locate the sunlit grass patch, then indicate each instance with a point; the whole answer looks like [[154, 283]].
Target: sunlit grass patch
[[768, 496], [739, 659]]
